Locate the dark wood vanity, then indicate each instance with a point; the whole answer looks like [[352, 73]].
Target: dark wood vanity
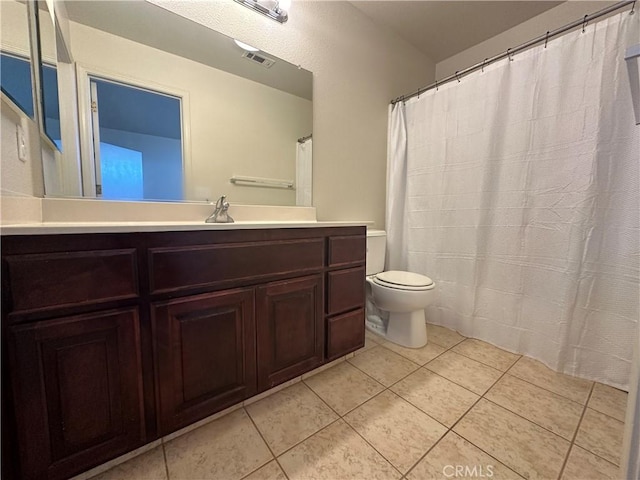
[[112, 340]]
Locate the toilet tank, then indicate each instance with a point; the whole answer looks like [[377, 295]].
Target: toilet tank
[[376, 251]]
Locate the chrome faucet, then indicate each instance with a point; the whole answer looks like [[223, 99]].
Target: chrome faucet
[[220, 214]]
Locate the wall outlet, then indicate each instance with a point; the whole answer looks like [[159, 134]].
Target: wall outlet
[[22, 143]]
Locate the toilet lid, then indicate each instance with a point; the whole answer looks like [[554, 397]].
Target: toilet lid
[[399, 279]]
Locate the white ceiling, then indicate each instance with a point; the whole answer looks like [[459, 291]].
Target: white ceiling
[[442, 29]]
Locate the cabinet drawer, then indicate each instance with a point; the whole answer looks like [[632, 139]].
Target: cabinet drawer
[[345, 290], [347, 250], [345, 333], [179, 268], [52, 280]]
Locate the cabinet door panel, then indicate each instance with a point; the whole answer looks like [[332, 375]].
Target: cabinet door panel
[[78, 390], [206, 355], [290, 329]]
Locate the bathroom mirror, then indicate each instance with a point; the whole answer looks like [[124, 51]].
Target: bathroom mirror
[[15, 56], [171, 110], [48, 74]]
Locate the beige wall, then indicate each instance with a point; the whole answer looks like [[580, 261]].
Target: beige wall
[[18, 177], [227, 134], [548, 21], [358, 68], [14, 27]]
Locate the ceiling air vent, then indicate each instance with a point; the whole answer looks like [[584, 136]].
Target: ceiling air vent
[[266, 62]]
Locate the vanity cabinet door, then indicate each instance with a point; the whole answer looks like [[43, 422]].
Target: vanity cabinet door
[[206, 359], [290, 329], [77, 386]]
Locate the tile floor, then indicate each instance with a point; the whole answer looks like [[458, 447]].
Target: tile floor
[[457, 408]]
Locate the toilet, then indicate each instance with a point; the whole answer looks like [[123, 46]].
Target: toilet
[[395, 299]]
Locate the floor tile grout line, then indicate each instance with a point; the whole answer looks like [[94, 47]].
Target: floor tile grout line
[[503, 373], [423, 364], [595, 409], [593, 382], [551, 391], [477, 446], [575, 434], [394, 393], [307, 438], [450, 429], [450, 347], [522, 416], [459, 384], [166, 464], [371, 445], [387, 387], [548, 390], [598, 411], [320, 398], [477, 361], [425, 454], [527, 419], [519, 355], [476, 402], [266, 443]]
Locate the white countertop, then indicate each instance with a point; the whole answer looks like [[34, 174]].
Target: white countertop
[[55, 228]]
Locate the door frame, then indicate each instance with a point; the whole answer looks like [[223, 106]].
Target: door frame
[[84, 74]]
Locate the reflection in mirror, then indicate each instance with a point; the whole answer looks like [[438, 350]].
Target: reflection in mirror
[[179, 110], [15, 55], [48, 74], [137, 142]]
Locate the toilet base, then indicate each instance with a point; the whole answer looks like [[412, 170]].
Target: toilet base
[[408, 329]]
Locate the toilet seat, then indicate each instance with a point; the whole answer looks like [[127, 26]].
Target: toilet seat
[[401, 280]]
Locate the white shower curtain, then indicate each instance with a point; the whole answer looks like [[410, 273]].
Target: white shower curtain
[[304, 168], [516, 190]]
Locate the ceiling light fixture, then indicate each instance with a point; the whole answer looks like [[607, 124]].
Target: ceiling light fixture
[[246, 46], [277, 13]]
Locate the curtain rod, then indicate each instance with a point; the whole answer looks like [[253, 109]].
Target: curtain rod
[[304, 139], [512, 51]]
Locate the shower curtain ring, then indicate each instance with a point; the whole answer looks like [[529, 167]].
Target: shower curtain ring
[[457, 78], [633, 8], [509, 54], [546, 39], [436, 85], [584, 22], [483, 62]]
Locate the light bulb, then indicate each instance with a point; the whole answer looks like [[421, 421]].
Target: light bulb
[[245, 46], [284, 5]]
